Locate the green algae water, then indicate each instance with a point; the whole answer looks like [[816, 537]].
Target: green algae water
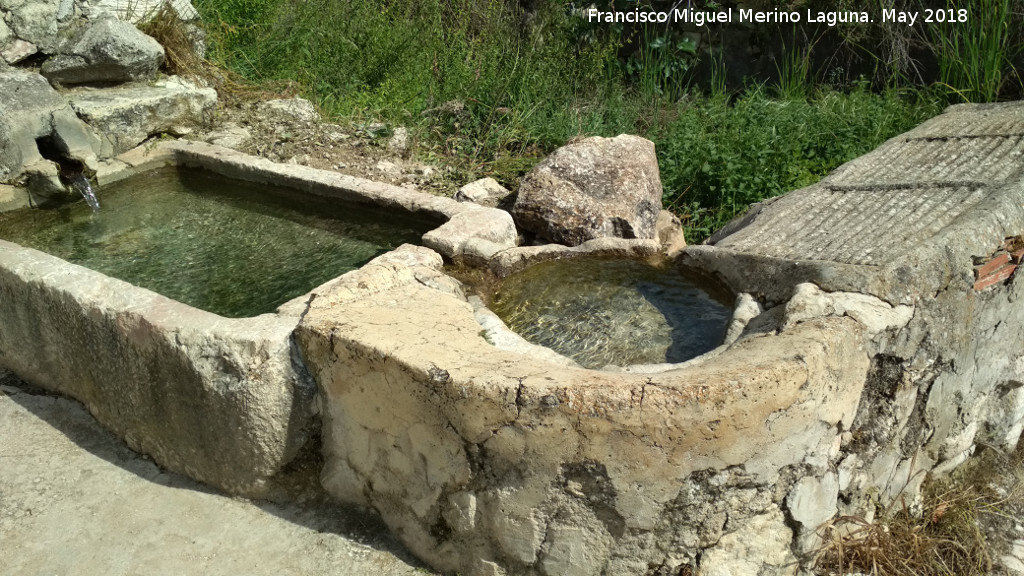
[[229, 247], [614, 312]]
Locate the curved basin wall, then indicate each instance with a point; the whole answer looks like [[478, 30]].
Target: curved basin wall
[[482, 459]]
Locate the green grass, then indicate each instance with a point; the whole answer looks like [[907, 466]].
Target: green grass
[[975, 55], [718, 157], [527, 83]]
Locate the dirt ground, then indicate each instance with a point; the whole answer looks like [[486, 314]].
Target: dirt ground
[[294, 133]]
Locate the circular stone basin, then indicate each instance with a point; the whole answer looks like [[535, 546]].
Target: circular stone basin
[[614, 312]]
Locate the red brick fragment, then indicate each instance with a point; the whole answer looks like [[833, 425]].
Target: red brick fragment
[[997, 262], [1017, 256], [996, 277]]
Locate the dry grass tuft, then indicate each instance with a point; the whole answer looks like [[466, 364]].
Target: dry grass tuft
[[965, 522], [167, 28]]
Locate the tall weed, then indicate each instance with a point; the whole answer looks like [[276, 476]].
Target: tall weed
[[975, 57]]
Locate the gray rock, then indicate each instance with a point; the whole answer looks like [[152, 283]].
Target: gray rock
[[230, 136], [291, 109], [761, 546], [481, 190], [35, 22], [127, 116], [30, 109], [812, 502], [594, 188], [399, 141], [104, 50], [6, 35], [43, 179], [65, 10]]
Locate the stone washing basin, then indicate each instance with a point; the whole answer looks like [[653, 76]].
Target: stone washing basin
[[224, 400], [875, 339], [878, 342]]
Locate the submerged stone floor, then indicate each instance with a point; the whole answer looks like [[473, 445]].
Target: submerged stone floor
[[74, 499]]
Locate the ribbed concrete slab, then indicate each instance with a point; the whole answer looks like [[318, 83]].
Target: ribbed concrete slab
[[955, 174], [976, 159], [869, 226], [971, 120]]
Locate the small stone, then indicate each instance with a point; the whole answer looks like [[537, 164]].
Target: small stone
[[293, 109], [759, 546], [18, 51], [230, 136], [480, 190], [399, 141], [461, 511], [388, 168], [812, 502]]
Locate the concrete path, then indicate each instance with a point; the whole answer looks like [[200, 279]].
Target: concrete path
[[75, 500]]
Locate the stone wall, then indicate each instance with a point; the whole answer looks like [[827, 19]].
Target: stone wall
[[50, 137]]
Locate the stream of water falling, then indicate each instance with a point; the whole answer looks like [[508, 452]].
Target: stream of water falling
[[81, 184]]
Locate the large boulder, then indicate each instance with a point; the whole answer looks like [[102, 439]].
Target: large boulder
[[104, 50], [34, 26], [128, 115], [594, 188]]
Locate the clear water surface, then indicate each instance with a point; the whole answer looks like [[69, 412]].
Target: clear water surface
[[614, 312], [230, 247]]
